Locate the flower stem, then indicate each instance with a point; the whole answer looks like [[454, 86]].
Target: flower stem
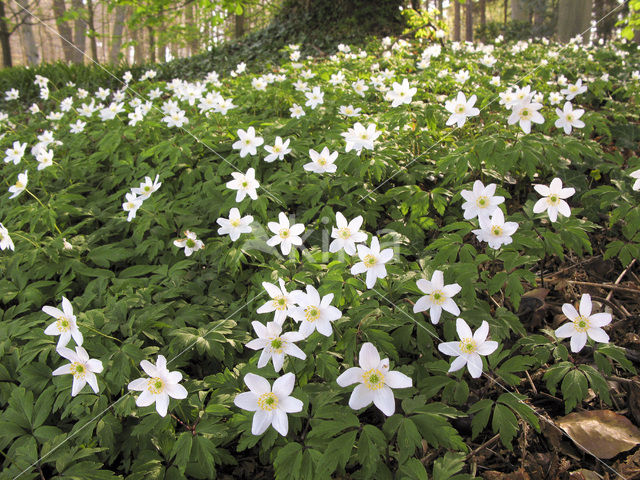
[[99, 332], [43, 206]]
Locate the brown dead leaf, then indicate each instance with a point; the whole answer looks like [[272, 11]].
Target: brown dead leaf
[[602, 433], [519, 474], [584, 474]]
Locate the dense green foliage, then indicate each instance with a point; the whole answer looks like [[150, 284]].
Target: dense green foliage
[[136, 295]]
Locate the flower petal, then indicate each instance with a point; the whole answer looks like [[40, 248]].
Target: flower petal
[[369, 357], [384, 400], [350, 376]]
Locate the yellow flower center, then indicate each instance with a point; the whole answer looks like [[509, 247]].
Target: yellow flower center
[[482, 201], [19, 184], [467, 345], [277, 345], [369, 261], [311, 313], [247, 142], [190, 243], [438, 297], [130, 205], [78, 370], [460, 108], [581, 324], [235, 222], [276, 149], [525, 113], [364, 136], [268, 401], [569, 117], [322, 161], [553, 199], [147, 188], [63, 324], [155, 385], [373, 379], [284, 233], [344, 233], [279, 302], [245, 184], [496, 231]]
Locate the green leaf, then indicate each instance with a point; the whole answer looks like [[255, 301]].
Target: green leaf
[[408, 439], [505, 423], [181, 450], [574, 389], [288, 461]]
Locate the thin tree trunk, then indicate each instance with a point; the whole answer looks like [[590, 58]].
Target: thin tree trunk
[[92, 28], [191, 21], [59, 10], [506, 10], [80, 31], [482, 6], [152, 45], [239, 26], [4, 39], [118, 29], [440, 9], [456, 21], [29, 40], [469, 21]]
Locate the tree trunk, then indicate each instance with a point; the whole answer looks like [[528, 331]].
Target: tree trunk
[[138, 45], [519, 12], [59, 10], [92, 28], [456, 21], [118, 29], [29, 40], [574, 17], [441, 9], [152, 45], [506, 10], [469, 20], [482, 6], [4, 39], [80, 32], [191, 21], [606, 26], [239, 25], [415, 4]]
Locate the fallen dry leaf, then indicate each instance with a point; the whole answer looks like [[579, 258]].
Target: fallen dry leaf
[[584, 474], [602, 433]]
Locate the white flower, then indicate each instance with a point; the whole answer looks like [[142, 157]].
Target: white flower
[[15, 153], [280, 303], [359, 137], [20, 185], [555, 98], [525, 114], [147, 187], [438, 297], [461, 109], [349, 111], [346, 234], [131, 205], [495, 231], [314, 312], [301, 86], [285, 233], [337, 79], [248, 142], [223, 106], [481, 201], [175, 118], [12, 94], [235, 225], [322, 162], [495, 81], [278, 151], [374, 380], [77, 127], [82, 368], [65, 324], [636, 175], [552, 199], [190, 243], [296, 111], [5, 239], [462, 76], [569, 118], [314, 98], [245, 184], [360, 87], [44, 158], [574, 89], [468, 350], [583, 324], [270, 404], [274, 345], [401, 94], [373, 261], [157, 389]]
